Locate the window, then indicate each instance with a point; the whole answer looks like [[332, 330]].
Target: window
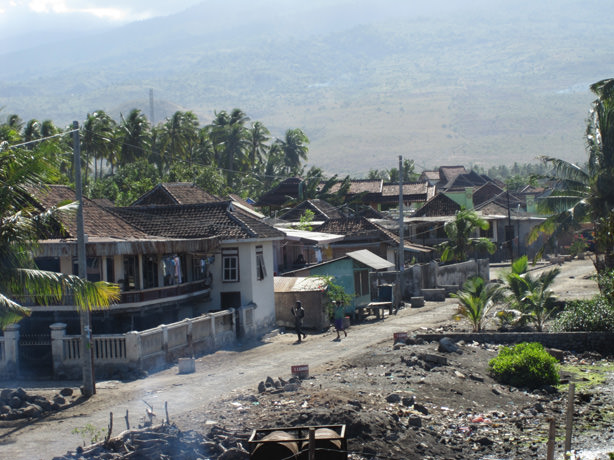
[[361, 282], [260, 267], [488, 233], [230, 265], [150, 272]]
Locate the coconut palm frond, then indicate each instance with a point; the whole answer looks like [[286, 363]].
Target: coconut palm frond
[[10, 311], [564, 170], [47, 287]]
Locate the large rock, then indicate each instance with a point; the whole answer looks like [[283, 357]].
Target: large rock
[[447, 345], [15, 402]]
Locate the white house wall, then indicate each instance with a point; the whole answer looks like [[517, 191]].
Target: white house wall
[[259, 292]]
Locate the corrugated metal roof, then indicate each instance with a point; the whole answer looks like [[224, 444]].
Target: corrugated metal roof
[[297, 284], [314, 237], [371, 260]]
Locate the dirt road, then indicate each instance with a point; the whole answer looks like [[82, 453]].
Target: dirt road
[[233, 369]]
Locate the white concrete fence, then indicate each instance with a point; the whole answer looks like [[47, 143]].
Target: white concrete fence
[[135, 351]]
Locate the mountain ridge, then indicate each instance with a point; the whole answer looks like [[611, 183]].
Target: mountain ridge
[[468, 86]]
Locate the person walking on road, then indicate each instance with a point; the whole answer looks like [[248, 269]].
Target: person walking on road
[[339, 315], [299, 313]]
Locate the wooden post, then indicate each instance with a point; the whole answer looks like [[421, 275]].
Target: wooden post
[[551, 436], [127, 420], [569, 421], [110, 430], [312, 443]]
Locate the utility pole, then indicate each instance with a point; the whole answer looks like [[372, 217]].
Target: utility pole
[[89, 387], [401, 234], [509, 229], [151, 107]]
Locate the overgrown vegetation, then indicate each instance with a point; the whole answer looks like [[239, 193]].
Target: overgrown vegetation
[[596, 314], [90, 434], [476, 299], [334, 292], [461, 243], [529, 298], [524, 365]]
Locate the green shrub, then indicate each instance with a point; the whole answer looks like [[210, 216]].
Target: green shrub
[[606, 283], [596, 314], [524, 365]]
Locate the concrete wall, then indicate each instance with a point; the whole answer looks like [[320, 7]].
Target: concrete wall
[[124, 354], [432, 275], [571, 341], [457, 274]]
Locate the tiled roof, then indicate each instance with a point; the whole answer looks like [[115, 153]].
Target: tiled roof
[[486, 192], [197, 221], [440, 205], [430, 175], [369, 213], [414, 191], [322, 211], [448, 173], [169, 193], [355, 227], [491, 208], [461, 181], [358, 186], [279, 195], [98, 221]]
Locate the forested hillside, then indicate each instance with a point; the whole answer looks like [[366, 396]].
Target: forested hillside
[[365, 81]]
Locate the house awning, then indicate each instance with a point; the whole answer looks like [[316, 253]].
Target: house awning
[[371, 260], [413, 247], [310, 237], [298, 284]]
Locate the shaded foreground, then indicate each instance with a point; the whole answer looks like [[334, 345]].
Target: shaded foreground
[[397, 402]]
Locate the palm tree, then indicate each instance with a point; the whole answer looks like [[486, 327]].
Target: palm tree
[[20, 227], [294, 147], [460, 241], [530, 298], [135, 133], [97, 139], [258, 137], [476, 299], [586, 193], [230, 138], [31, 132], [179, 135]]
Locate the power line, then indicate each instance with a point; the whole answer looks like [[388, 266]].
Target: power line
[[38, 140]]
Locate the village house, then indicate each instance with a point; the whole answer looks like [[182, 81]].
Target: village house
[[510, 218], [171, 261], [355, 271]]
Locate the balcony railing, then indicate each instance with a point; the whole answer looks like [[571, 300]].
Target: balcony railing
[[126, 297]]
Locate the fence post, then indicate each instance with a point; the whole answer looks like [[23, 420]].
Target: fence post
[[11, 349], [58, 332], [569, 418], [133, 349], [213, 334], [165, 341]]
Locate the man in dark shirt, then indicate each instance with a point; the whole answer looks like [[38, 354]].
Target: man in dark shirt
[[299, 313]]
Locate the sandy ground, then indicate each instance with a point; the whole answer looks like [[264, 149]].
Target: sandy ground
[[234, 371]]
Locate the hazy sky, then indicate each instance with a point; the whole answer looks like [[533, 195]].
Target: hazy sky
[[18, 18]]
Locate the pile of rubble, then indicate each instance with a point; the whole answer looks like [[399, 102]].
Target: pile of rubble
[[163, 441], [413, 400], [19, 404]]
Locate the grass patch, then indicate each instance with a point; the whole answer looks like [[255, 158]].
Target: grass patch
[[586, 376]]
